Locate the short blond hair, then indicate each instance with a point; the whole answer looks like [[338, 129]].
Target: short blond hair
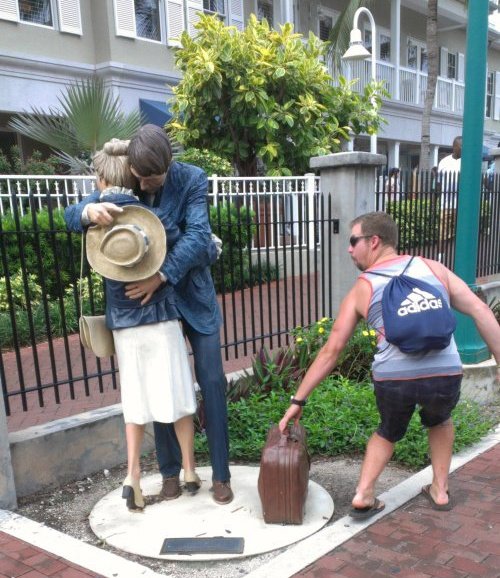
[[111, 164]]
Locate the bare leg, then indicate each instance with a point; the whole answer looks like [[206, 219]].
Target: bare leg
[[184, 429], [131, 489], [378, 453], [441, 449], [134, 434]]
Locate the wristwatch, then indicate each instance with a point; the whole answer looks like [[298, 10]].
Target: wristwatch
[[301, 402]]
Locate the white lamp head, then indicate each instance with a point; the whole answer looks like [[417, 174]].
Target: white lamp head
[[356, 50]]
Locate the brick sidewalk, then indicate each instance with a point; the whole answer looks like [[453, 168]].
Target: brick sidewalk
[[20, 559], [418, 542]]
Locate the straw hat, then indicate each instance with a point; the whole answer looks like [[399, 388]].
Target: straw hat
[[132, 248]]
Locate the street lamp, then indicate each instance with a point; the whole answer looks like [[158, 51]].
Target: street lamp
[[357, 51]]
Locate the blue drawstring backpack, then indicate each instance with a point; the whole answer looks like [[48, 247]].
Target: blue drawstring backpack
[[416, 315]]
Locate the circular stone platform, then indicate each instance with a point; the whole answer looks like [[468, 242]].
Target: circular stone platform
[[199, 516]]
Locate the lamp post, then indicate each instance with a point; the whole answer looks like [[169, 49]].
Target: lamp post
[[357, 51]]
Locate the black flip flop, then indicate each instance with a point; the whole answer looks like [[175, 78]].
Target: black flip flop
[[426, 491], [368, 512]]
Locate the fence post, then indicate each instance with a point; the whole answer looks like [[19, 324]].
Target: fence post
[[215, 188], [347, 182], [8, 498], [311, 241]]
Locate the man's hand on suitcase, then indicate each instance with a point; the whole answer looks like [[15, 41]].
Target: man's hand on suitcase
[[293, 412]]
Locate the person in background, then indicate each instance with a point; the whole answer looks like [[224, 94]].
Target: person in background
[[402, 381]]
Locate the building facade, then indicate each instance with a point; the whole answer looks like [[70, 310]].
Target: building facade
[[130, 44]]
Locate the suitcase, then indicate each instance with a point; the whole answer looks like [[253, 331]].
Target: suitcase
[[284, 476]]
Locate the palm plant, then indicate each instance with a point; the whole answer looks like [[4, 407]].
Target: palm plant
[[89, 115]]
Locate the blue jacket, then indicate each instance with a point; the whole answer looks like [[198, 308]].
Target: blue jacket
[[182, 205]]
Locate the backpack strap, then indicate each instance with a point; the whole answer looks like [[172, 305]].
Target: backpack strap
[[391, 276]]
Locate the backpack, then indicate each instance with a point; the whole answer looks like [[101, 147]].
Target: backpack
[[416, 315]]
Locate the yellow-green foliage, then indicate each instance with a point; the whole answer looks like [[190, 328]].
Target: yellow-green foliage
[[263, 93]]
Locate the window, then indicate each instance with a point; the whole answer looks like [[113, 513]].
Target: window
[[384, 40], [490, 92], [326, 21], [385, 47], [62, 15], [215, 7], [325, 27], [416, 55], [265, 10], [452, 65], [36, 12], [147, 19]]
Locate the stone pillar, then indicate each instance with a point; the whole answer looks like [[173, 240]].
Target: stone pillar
[[8, 498], [347, 178]]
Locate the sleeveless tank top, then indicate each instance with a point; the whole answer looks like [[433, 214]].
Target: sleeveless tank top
[[390, 363]]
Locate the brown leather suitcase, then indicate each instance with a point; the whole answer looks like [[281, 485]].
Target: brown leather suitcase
[[284, 476]]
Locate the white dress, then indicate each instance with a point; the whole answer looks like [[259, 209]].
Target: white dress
[[155, 376]]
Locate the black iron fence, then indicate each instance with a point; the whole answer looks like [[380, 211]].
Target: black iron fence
[[274, 273], [268, 281], [425, 206]]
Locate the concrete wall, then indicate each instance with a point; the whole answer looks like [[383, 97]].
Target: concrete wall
[[69, 449]]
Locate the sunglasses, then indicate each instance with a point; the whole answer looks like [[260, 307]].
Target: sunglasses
[[353, 240]]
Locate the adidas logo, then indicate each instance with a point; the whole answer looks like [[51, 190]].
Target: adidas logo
[[418, 301]]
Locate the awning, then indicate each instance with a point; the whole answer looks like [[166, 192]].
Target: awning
[[155, 111]]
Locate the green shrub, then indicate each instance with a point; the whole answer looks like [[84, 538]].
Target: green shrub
[[418, 221], [56, 319], [236, 227], [46, 253], [339, 418], [18, 291], [210, 162]]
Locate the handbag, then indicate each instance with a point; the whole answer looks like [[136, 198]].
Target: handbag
[[94, 333]]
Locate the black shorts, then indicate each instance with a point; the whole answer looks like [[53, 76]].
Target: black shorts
[[397, 400]]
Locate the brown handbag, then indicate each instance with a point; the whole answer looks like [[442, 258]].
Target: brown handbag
[[94, 333], [284, 476]]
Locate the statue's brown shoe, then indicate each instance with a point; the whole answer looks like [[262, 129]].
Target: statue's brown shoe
[[222, 492], [170, 488]]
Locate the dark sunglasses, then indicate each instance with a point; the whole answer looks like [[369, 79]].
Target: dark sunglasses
[[353, 240]]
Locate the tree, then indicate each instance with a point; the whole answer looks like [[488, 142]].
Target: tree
[[89, 116], [263, 93], [430, 93]]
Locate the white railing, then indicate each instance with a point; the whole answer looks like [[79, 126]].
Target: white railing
[[412, 84], [284, 206], [40, 188]]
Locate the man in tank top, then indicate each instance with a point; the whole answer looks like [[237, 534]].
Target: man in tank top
[[402, 381]]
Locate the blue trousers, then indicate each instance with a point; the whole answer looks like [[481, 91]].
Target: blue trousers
[[210, 376]]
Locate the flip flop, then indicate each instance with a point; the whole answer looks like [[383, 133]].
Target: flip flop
[[426, 491], [368, 512]]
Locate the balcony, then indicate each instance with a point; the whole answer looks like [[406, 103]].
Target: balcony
[[412, 85]]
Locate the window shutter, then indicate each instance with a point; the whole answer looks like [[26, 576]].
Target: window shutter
[[124, 18], [443, 62], [175, 21], [70, 19], [236, 13], [193, 7], [496, 107], [461, 67], [9, 10]]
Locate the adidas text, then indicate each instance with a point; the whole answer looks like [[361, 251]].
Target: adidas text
[[423, 305]]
